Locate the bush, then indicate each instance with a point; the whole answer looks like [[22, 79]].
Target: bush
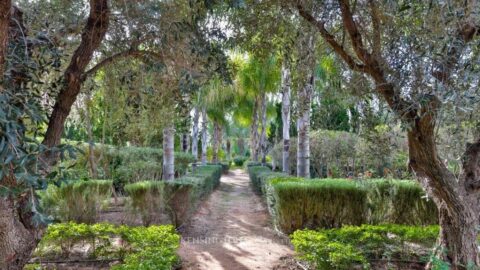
[[389, 199], [77, 201], [326, 203], [239, 160], [351, 247], [137, 171], [174, 200], [297, 203], [146, 248], [254, 174], [146, 199], [339, 154], [225, 166]]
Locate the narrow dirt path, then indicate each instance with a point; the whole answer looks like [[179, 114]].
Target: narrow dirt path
[[232, 230]]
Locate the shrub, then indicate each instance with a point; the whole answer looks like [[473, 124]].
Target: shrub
[[77, 201], [389, 199], [145, 248], [239, 160], [225, 166], [254, 173], [146, 199], [137, 171], [183, 195], [351, 247], [325, 203], [178, 199], [182, 161]]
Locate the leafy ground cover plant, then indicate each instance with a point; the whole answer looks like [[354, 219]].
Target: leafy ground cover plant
[[145, 248], [354, 247]]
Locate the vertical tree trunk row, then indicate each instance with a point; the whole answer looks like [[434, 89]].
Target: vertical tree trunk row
[[168, 153], [196, 116], [204, 136], [286, 118], [216, 141]]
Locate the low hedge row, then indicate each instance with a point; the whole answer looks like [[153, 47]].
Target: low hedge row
[[78, 201], [297, 203], [147, 248], [177, 199], [225, 166], [354, 247]]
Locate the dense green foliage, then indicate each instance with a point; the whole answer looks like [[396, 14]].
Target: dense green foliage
[[351, 246], [297, 203], [173, 201], [129, 164], [343, 154], [77, 201], [239, 160], [146, 199], [147, 248]]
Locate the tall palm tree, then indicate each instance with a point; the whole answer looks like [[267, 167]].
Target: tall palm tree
[[257, 78]]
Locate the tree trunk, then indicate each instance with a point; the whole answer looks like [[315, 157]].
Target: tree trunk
[[168, 153], [254, 131], [241, 146], [229, 148], [19, 235], [286, 119], [262, 144], [91, 143], [5, 11], [303, 126], [196, 116], [185, 142], [92, 36], [204, 137], [457, 200], [216, 141]]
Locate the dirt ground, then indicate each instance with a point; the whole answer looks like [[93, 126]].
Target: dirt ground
[[232, 230]]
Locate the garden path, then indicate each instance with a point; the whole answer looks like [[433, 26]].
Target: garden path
[[232, 230]]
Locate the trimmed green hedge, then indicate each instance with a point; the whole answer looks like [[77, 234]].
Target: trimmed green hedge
[[353, 247], [225, 166], [239, 160], [176, 199], [146, 199], [77, 201], [297, 203], [326, 203], [147, 248]]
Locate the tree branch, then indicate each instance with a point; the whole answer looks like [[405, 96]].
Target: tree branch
[[5, 7], [113, 58], [320, 25]]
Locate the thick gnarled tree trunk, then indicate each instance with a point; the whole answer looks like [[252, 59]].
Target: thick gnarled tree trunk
[[204, 136], [168, 153], [286, 92], [18, 233]]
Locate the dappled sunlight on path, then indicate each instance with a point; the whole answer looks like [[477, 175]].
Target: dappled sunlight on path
[[231, 230]]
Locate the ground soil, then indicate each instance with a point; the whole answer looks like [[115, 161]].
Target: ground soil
[[232, 230]]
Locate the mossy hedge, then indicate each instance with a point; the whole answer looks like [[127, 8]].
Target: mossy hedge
[[176, 199], [297, 203]]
